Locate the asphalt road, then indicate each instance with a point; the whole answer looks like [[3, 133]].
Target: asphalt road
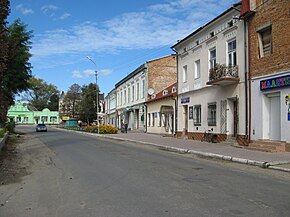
[[79, 175]]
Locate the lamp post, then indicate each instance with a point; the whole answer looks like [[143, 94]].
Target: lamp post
[[97, 91]]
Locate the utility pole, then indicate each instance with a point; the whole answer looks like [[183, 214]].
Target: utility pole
[[97, 92]]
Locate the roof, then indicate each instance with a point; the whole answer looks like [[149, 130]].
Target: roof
[[161, 95], [210, 22], [132, 74]]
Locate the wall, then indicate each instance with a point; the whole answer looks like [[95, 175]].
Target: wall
[[162, 73], [277, 13], [155, 106]]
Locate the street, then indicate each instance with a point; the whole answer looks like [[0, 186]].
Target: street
[[74, 175]]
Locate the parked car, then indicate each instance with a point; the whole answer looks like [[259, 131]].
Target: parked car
[[41, 128]]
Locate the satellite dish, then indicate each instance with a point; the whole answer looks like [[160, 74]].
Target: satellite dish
[[150, 91]]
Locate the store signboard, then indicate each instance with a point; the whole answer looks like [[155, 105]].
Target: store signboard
[[185, 100], [272, 83]]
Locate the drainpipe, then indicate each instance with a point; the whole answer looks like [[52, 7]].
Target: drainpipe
[[145, 117], [246, 79], [176, 98]]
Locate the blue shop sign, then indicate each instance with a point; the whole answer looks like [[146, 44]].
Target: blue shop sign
[[279, 82], [185, 100]]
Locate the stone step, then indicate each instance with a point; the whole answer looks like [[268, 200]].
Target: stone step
[[267, 146]]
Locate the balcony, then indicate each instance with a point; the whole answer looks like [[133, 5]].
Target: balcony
[[223, 75]]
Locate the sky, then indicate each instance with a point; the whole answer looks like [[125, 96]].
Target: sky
[[118, 35]]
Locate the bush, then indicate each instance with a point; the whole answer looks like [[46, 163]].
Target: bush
[[103, 129], [10, 126], [2, 132]]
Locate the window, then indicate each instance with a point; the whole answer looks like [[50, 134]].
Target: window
[[53, 119], [133, 93], [184, 73], [197, 115], [138, 91], [211, 116], [18, 119], [121, 98], [143, 89], [232, 54], [265, 41], [212, 58], [125, 96], [153, 119], [197, 69], [129, 95], [148, 120], [25, 119], [44, 118]]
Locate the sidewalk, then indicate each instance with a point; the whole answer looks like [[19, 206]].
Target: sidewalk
[[277, 160]]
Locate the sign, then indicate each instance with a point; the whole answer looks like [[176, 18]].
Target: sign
[[288, 116], [185, 100], [190, 112], [272, 83]]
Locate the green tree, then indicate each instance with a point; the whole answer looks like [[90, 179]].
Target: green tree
[[17, 71], [88, 103], [4, 12], [41, 95], [70, 104]]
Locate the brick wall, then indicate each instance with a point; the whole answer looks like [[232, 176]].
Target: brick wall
[[162, 73], [276, 12]]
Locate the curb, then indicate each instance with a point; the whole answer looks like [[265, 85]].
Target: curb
[[262, 164]]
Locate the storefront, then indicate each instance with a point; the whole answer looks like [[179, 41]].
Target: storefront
[[271, 108]]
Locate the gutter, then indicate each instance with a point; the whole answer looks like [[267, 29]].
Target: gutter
[[176, 98]]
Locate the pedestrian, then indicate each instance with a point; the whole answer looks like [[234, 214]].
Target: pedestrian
[[126, 127]]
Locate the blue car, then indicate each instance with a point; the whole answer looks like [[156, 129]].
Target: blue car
[[41, 128]]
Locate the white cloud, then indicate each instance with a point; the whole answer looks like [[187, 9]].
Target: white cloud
[[24, 10], [89, 72], [64, 16], [156, 26], [49, 9], [76, 74], [105, 72]]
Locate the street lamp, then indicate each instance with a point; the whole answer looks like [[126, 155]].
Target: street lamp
[[97, 91]]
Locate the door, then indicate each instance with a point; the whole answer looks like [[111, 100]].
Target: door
[[235, 118], [275, 118], [185, 119]]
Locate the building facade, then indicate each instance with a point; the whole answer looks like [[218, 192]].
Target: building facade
[[161, 111], [132, 90], [22, 113], [269, 70], [211, 79], [110, 108]]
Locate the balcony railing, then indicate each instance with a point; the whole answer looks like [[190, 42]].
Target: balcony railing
[[222, 74]]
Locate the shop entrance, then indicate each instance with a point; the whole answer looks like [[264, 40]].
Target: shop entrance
[[275, 117]]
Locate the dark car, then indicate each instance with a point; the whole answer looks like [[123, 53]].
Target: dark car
[[41, 128]]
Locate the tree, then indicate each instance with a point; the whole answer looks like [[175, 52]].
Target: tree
[[17, 71], [88, 103], [4, 12], [70, 103], [41, 95]]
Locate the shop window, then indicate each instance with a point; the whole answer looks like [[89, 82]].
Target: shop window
[[53, 119], [197, 115], [44, 118], [211, 116]]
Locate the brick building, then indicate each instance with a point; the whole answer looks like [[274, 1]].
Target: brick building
[[269, 71]]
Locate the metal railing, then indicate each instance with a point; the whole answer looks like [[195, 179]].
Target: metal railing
[[223, 71]]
